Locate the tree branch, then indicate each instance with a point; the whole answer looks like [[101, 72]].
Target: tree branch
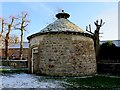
[[89, 29]]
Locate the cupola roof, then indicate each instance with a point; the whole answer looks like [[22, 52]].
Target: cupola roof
[[62, 24]]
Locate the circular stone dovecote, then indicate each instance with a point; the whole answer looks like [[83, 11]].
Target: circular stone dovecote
[[62, 49]]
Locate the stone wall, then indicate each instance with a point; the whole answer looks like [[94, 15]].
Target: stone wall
[[14, 63], [15, 52], [65, 54]]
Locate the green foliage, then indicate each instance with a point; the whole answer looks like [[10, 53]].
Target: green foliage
[[108, 50], [108, 44]]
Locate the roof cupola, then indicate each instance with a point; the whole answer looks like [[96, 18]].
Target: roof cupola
[[62, 15]]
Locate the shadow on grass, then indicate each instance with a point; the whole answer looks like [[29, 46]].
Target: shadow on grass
[[98, 82]]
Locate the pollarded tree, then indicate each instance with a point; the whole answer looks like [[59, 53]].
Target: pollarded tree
[[7, 37], [1, 33], [21, 26], [95, 35], [2, 27]]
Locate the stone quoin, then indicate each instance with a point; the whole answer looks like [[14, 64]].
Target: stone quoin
[[62, 49]]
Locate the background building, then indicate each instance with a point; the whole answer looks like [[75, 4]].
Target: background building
[[14, 50]]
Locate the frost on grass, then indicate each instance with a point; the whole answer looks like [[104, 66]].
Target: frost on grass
[[27, 81]]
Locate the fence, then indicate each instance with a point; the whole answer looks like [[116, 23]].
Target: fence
[[108, 66], [109, 61], [14, 63]]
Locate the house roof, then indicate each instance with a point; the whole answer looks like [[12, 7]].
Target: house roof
[[17, 45]]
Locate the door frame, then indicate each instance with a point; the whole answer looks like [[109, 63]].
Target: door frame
[[34, 50]]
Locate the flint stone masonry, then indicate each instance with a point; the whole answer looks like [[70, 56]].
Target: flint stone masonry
[[64, 55], [62, 49]]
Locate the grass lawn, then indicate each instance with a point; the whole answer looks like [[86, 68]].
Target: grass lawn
[[98, 81], [12, 71]]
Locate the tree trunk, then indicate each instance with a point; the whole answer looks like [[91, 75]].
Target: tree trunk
[[96, 44], [6, 43], [6, 49], [7, 39], [21, 45]]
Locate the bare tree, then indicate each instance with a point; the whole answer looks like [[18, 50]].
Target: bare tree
[[2, 28], [21, 26], [1, 33], [7, 37], [14, 38], [96, 35]]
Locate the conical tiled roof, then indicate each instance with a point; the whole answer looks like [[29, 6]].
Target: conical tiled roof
[[62, 24]]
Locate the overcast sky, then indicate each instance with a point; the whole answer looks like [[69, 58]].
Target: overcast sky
[[81, 13]]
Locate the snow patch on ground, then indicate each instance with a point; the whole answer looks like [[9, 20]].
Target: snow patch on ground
[[27, 81]]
